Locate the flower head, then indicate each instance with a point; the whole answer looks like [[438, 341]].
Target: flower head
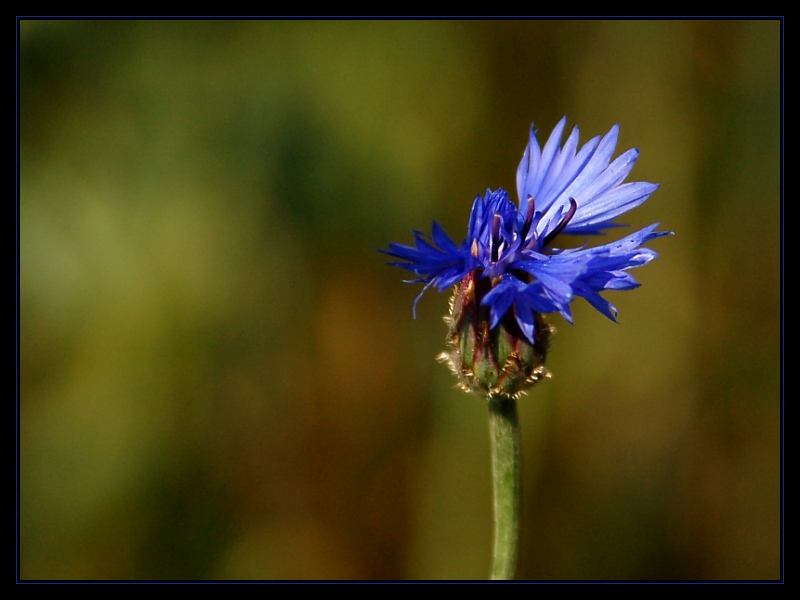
[[508, 256]]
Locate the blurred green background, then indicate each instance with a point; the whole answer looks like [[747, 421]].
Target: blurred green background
[[220, 378]]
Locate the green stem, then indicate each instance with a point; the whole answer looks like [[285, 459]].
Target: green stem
[[504, 433]]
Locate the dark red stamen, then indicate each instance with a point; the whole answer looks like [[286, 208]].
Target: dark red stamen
[[495, 237], [526, 227], [573, 206]]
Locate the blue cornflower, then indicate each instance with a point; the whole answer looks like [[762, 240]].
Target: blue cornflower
[[507, 272], [508, 253]]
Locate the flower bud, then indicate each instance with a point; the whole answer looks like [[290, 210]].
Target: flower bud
[[498, 361]]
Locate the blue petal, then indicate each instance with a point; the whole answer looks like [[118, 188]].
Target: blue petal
[[611, 204], [548, 161], [556, 175], [436, 260], [528, 167], [443, 240], [526, 322], [596, 300], [525, 298], [500, 298], [595, 164]]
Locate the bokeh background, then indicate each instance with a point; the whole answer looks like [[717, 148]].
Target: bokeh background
[[221, 379]]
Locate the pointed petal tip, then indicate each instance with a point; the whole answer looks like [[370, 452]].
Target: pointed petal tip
[[656, 234]]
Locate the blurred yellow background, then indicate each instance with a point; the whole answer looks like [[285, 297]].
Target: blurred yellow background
[[220, 378]]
